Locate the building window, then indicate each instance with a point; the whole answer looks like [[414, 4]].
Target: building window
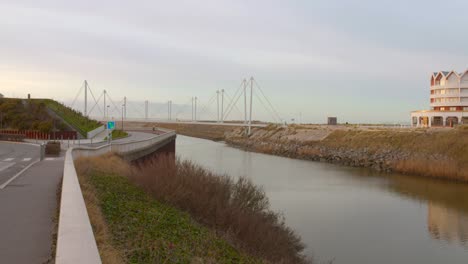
[[453, 109], [442, 109], [465, 108]]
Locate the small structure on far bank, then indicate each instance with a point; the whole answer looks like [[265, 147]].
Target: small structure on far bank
[[332, 121], [448, 101]]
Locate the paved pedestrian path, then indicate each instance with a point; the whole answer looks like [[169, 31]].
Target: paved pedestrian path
[[28, 205]]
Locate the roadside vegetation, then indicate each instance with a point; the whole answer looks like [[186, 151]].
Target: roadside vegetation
[[163, 211], [117, 134], [74, 118], [27, 115]]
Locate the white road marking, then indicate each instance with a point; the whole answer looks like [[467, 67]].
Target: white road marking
[[17, 175], [51, 159], [26, 159], [9, 159]]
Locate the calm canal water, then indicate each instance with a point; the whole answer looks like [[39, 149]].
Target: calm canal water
[[351, 215]]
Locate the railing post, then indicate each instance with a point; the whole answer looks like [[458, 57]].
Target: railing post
[[42, 150]]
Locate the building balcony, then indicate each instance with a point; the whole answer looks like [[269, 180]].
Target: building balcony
[[450, 95], [448, 104]]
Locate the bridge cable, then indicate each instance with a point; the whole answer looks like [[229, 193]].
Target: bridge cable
[[233, 105], [96, 102], [239, 89], [92, 108], [268, 101], [204, 107], [76, 97], [263, 104]]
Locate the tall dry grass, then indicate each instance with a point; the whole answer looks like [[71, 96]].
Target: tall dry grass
[[442, 169], [106, 163], [238, 210]]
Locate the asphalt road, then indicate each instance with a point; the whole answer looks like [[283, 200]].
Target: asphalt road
[[28, 205], [14, 157], [132, 136]]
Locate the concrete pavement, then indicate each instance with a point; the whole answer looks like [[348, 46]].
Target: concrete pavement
[[28, 205]]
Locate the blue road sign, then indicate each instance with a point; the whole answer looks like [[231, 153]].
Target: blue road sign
[[111, 125]]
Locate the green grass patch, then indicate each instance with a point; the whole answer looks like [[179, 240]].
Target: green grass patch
[[116, 134], [74, 118], [147, 231]]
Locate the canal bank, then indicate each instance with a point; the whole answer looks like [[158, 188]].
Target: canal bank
[[436, 153], [351, 215]]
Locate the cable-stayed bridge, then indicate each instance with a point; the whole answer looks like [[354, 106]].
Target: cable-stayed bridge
[[222, 107]]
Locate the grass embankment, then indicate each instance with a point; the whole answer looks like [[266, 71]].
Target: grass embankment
[[180, 214], [212, 132], [74, 118], [117, 134], [27, 115], [438, 153]]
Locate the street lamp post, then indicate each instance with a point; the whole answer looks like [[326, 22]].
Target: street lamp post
[[107, 126], [123, 117]]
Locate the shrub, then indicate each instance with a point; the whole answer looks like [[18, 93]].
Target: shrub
[[45, 126], [238, 209], [130, 226]]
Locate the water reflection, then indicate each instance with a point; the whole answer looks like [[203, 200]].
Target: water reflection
[[447, 202], [447, 224]]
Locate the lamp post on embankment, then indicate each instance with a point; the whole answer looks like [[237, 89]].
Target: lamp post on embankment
[[123, 106]]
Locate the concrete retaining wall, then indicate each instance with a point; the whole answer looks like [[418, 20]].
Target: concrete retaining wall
[[92, 134]]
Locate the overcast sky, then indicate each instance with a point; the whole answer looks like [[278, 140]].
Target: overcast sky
[[363, 61]]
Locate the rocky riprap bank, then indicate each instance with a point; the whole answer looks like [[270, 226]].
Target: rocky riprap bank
[[383, 160], [385, 150]]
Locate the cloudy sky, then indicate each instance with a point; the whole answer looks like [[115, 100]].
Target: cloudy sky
[[363, 61]]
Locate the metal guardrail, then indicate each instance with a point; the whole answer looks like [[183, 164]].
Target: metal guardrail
[[75, 239]]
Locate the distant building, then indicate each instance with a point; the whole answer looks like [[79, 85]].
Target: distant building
[[1, 95], [448, 101], [332, 121]]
